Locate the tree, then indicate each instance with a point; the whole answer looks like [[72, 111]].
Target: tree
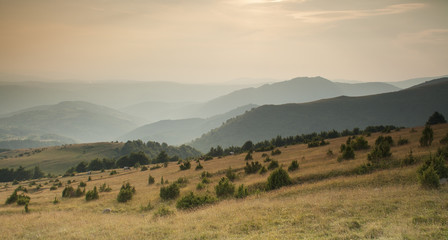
[[247, 146], [140, 158], [81, 167], [225, 188], [436, 118], [95, 165], [162, 157], [37, 173], [278, 179], [170, 192], [427, 136]]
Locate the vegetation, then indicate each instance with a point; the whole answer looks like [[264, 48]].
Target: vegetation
[[126, 193], [230, 174], [252, 168], [241, 192], [185, 165], [427, 136], [170, 192], [381, 149], [193, 201], [225, 188], [151, 180], [248, 156], [278, 179], [20, 174], [294, 166], [92, 194], [273, 165], [436, 118]]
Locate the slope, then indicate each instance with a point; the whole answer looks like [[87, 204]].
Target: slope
[[297, 90], [81, 121], [181, 131], [408, 107]]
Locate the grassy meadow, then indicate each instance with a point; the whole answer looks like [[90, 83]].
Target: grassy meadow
[[326, 201]]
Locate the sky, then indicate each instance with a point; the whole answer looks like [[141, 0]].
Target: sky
[[205, 41]]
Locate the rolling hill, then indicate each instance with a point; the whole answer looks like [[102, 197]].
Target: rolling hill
[[176, 132], [297, 90], [81, 121], [409, 107]]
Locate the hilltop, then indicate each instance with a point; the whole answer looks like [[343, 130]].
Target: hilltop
[[408, 107], [327, 200]]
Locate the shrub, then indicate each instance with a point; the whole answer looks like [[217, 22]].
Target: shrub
[[241, 192], [185, 166], [182, 181], [22, 188], [429, 178], [113, 172], [278, 179], [408, 160], [92, 195], [268, 159], [163, 211], [248, 156], [22, 199], [276, 152], [193, 201], [273, 165], [381, 150], [427, 136], [387, 139], [12, 198], [437, 163], [155, 167], [53, 188], [365, 169], [263, 170], [146, 208], [294, 166], [144, 168], [359, 143], [205, 174], [70, 192], [347, 153], [251, 168], [82, 184], [436, 118], [402, 141], [151, 180], [170, 192], [104, 188], [126, 193], [200, 186], [199, 166], [225, 188], [230, 174], [330, 153], [55, 201], [205, 180], [15, 182]]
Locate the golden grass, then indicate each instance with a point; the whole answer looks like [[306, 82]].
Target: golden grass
[[387, 204]]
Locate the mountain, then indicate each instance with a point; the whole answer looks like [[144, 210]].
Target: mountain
[[409, 107], [176, 132], [81, 121], [415, 81], [297, 90]]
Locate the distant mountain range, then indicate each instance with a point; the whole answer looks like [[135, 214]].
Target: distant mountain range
[[176, 132], [80, 121], [409, 107]]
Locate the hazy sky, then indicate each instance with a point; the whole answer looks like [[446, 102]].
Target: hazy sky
[[217, 41]]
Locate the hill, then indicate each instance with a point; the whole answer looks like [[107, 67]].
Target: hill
[[413, 82], [409, 107], [297, 90], [81, 121], [180, 131], [327, 200]]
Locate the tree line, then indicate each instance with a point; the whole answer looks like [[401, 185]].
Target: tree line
[[280, 141], [20, 174]]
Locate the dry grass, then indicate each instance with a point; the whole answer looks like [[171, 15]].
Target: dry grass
[[387, 204]]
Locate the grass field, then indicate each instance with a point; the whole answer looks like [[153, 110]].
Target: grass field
[[58, 159], [327, 202]]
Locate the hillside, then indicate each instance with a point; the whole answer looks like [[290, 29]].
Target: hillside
[[297, 90], [409, 107], [81, 121], [413, 82], [327, 200], [180, 131]]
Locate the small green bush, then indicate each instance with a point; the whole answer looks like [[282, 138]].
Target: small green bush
[[437, 163], [230, 174], [22, 188], [113, 172], [185, 166], [126, 193], [52, 188], [402, 141], [225, 188], [252, 168], [12, 198], [429, 178], [205, 174], [147, 208], [381, 149], [22, 199], [70, 192], [294, 166], [193, 201], [347, 153], [55, 201], [248, 156], [273, 165], [163, 211], [200, 186], [359, 143], [409, 159], [92, 195], [104, 188], [276, 152], [182, 181], [144, 168], [205, 180], [199, 166], [427, 136], [151, 180], [170, 192], [241, 192], [278, 179], [15, 182], [82, 184], [263, 170]]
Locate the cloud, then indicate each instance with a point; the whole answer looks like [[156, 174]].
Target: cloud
[[331, 16]]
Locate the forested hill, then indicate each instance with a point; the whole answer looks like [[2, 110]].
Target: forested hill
[[409, 107]]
